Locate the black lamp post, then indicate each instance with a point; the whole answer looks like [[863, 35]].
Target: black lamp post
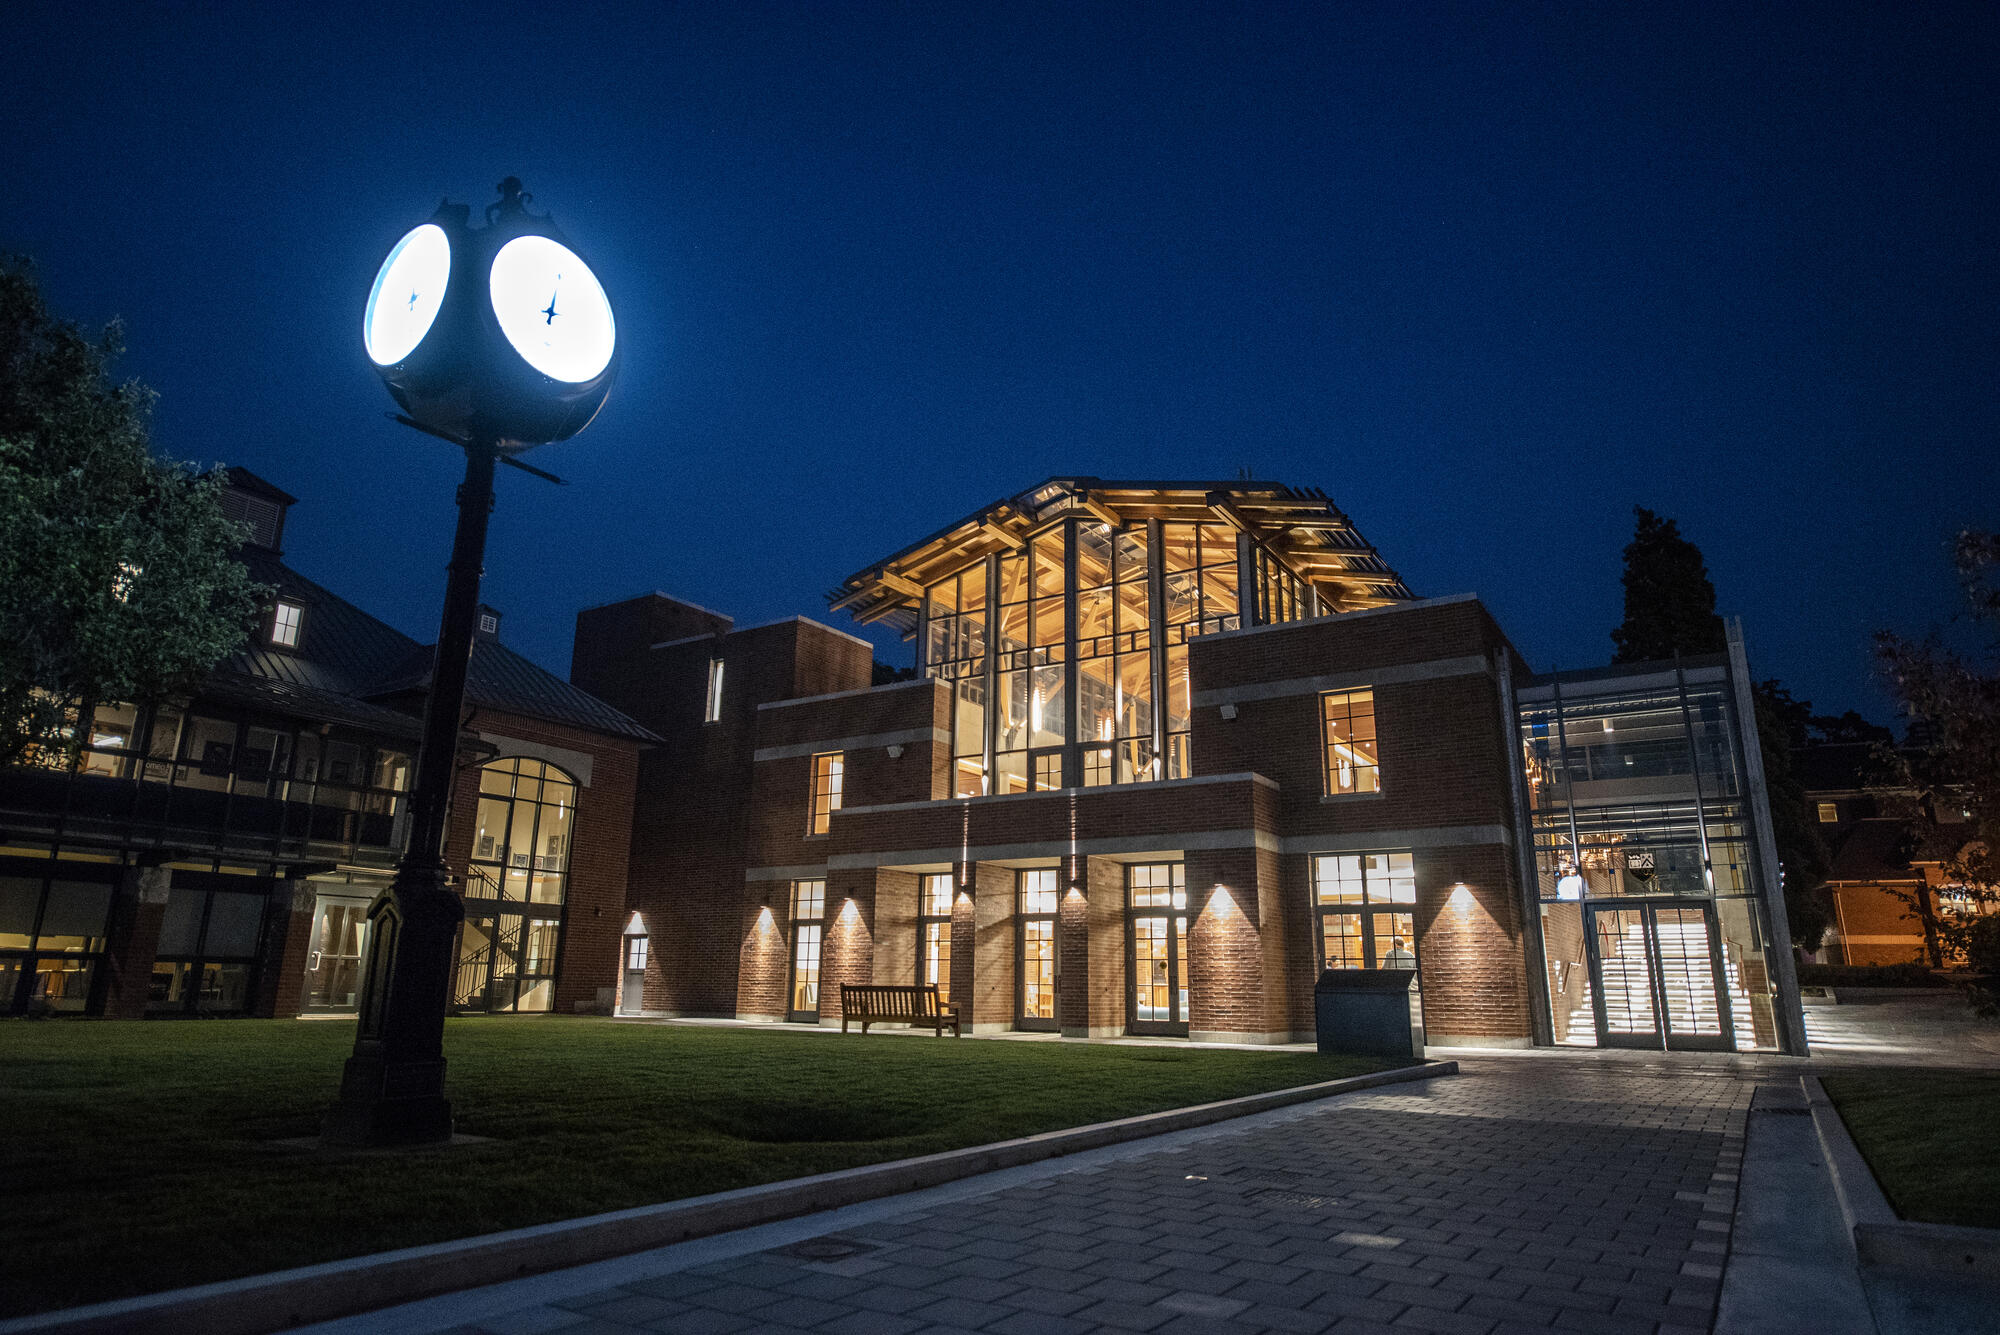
[[497, 339]]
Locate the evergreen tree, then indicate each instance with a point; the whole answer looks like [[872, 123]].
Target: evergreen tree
[[1669, 601], [118, 574]]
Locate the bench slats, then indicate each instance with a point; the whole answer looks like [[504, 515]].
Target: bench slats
[[917, 1003]]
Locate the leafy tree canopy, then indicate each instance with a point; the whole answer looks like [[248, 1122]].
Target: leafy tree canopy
[[1954, 770], [1669, 601], [118, 576]]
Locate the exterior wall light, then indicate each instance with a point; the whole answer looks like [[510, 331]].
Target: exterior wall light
[[1461, 898], [896, 751], [1229, 711]]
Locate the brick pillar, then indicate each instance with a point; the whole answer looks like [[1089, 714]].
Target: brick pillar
[[847, 950], [133, 940], [1105, 917], [1225, 951], [281, 956], [1471, 962], [993, 951], [964, 949], [1072, 952], [763, 963]]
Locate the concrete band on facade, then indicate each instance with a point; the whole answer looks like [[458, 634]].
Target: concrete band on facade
[[766, 895]]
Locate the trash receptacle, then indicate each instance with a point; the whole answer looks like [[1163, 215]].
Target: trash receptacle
[[1376, 1012]]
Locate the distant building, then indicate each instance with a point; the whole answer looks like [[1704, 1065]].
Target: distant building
[[1887, 852], [217, 856], [1172, 749]]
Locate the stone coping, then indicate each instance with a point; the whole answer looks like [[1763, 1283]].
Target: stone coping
[[1882, 1238], [262, 1303]]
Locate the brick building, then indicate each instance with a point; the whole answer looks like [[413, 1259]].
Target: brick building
[[217, 855], [1171, 750]]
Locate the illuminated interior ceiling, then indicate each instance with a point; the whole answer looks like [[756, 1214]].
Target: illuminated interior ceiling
[[1304, 530]]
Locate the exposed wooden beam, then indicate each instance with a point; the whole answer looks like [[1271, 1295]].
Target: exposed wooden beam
[[1014, 540], [849, 599], [1103, 512], [908, 588]]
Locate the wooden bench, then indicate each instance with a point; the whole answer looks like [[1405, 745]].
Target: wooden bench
[[916, 1005]]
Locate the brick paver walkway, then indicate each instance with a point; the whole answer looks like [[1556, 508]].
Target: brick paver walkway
[[1517, 1196]]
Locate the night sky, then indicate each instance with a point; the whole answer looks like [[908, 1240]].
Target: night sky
[[1488, 275]]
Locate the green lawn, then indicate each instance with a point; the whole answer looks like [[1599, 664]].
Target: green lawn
[[137, 1156], [1932, 1138]]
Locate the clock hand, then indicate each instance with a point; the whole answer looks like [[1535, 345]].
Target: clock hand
[[413, 299], [550, 309]]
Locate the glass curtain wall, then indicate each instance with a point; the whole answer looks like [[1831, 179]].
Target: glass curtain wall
[[514, 891], [1651, 929], [1141, 593]]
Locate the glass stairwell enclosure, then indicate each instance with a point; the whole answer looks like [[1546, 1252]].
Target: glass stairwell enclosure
[[1653, 926]]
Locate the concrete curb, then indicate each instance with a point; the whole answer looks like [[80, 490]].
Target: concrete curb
[[263, 1303], [1881, 1238]]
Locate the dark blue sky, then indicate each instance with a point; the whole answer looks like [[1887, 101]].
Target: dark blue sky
[[1489, 275]]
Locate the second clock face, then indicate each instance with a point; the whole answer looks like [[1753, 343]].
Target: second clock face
[[552, 309], [407, 294]]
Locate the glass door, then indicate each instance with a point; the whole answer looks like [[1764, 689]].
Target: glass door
[[333, 966], [1157, 931], [1656, 977]]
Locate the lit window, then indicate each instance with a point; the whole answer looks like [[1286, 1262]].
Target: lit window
[[934, 934], [808, 927], [1367, 910], [488, 623], [712, 710], [1829, 813], [826, 778], [1347, 729], [125, 581], [286, 621]]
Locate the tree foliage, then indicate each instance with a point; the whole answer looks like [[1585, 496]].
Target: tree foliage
[[1952, 772], [118, 575], [1669, 601], [1802, 852]]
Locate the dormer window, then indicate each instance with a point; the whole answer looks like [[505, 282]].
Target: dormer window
[[489, 624], [287, 620]]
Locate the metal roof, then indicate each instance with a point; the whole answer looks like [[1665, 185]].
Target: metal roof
[[1300, 525], [347, 661]]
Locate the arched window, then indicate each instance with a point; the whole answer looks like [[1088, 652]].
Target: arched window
[[515, 885]]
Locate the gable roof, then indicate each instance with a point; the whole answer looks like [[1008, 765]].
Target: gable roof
[[347, 664], [1876, 849], [499, 678]]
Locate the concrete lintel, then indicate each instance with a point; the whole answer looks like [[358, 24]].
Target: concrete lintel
[[1163, 844], [1426, 836], [868, 742]]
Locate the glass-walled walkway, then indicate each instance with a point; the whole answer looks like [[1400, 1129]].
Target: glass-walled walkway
[[1653, 925]]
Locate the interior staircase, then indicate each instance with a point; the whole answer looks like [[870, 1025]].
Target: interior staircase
[[1690, 985]]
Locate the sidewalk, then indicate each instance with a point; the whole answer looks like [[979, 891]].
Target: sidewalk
[[1523, 1195]]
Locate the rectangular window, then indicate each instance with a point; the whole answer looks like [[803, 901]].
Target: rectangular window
[[826, 780], [1366, 904], [1347, 732], [934, 933], [712, 710], [808, 927], [1036, 890], [1829, 813], [286, 621]]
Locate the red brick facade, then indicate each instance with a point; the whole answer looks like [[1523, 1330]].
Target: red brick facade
[[723, 825]]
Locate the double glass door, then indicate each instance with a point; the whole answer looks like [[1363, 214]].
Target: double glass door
[[333, 966], [1656, 975]]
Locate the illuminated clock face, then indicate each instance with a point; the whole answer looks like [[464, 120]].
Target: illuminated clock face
[[552, 309], [407, 294]]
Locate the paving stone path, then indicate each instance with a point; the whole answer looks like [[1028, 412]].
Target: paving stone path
[[1517, 1196]]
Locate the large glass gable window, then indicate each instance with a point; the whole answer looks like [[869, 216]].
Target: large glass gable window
[[515, 886]]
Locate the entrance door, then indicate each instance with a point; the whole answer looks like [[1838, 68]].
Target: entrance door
[[1656, 976], [1158, 996], [632, 998], [333, 966]]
